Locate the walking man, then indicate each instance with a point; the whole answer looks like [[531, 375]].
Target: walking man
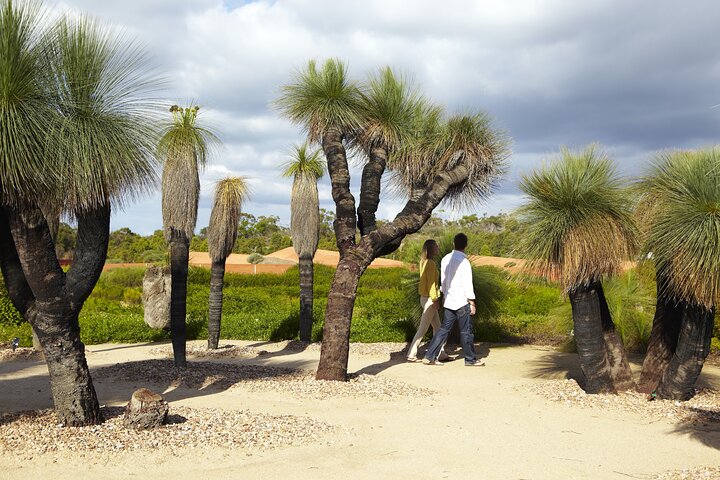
[[459, 304]]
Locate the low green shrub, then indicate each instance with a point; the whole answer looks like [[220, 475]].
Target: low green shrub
[[265, 307]]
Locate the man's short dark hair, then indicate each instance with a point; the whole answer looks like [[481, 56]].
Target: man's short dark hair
[[460, 241]]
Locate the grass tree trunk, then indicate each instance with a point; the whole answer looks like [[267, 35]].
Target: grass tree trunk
[[179, 256], [338, 316], [305, 266], [693, 346], [51, 300], [73, 393], [590, 339], [617, 356], [662, 344], [217, 276]]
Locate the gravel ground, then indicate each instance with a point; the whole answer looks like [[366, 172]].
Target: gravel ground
[[298, 383], [199, 350], [7, 353], [704, 408], [36, 432], [700, 473]]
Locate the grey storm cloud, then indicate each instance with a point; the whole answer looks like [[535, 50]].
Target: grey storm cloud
[[637, 77]]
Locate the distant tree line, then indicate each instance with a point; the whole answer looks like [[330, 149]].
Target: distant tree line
[[495, 235]]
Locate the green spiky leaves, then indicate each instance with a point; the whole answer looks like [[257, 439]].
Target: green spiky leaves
[[26, 101], [76, 113], [579, 219], [388, 112], [682, 196], [306, 167], [304, 162], [184, 147], [321, 98]]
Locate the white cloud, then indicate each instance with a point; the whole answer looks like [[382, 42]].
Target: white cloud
[[635, 76]]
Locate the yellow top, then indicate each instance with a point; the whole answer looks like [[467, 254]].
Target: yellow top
[[428, 286]]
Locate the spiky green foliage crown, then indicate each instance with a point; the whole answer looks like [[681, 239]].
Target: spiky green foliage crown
[[26, 101], [104, 143], [184, 147], [387, 111], [76, 113], [321, 98], [306, 167], [579, 219], [389, 107], [230, 194], [681, 196]]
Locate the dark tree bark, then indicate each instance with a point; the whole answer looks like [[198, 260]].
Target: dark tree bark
[[662, 344], [693, 346], [215, 302], [305, 266], [338, 315], [345, 222], [590, 339], [51, 300], [620, 372], [179, 256], [370, 188]]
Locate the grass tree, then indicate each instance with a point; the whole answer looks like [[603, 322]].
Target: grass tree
[[682, 206], [306, 167], [230, 193], [579, 229], [76, 136], [380, 118], [184, 148]]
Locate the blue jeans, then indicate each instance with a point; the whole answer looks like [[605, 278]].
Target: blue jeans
[[467, 339]]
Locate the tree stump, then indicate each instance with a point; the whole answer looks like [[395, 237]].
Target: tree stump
[[146, 410], [156, 297]]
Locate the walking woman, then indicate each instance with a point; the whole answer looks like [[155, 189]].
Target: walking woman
[[429, 290]]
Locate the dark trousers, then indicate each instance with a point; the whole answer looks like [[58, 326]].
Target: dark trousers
[[467, 339]]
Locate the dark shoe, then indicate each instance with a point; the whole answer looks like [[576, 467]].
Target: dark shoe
[[445, 359], [476, 363]]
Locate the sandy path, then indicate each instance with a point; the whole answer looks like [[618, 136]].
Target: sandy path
[[480, 423]]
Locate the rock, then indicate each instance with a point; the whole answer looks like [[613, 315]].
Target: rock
[[146, 410], [156, 296]]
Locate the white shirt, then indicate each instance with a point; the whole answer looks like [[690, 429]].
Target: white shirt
[[456, 280]]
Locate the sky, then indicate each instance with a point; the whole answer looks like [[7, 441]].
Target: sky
[[636, 77]]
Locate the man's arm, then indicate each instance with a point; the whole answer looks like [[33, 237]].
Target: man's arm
[[468, 285]]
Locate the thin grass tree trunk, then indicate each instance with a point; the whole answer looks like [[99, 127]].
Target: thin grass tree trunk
[[215, 302], [590, 339], [179, 255], [306, 269], [662, 344], [678, 380]]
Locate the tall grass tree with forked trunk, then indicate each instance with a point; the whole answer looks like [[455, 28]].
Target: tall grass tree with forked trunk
[[306, 167], [379, 119], [76, 136], [681, 205], [230, 194], [579, 229], [184, 148]]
